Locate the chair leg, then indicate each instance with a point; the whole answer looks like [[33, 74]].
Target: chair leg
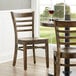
[[57, 69], [15, 55], [34, 54], [25, 56], [47, 54], [56, 65]]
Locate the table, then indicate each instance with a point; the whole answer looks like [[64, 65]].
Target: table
[[47, 24], [67, 69]]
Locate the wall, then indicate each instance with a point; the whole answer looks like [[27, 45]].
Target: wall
[[35, 7], [7, 33], [14, 4]]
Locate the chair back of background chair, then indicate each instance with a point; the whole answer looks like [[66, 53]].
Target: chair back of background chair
[[65, 33]]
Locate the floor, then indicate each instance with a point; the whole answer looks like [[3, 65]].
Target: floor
[[39, 69]]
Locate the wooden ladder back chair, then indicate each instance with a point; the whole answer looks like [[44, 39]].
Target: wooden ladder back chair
[[24, 22], [66, 44]]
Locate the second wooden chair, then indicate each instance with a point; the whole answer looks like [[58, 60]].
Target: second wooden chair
[[66, 45]]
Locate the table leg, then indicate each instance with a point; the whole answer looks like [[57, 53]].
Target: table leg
[[67, 61], [51, 37], [67, 69]]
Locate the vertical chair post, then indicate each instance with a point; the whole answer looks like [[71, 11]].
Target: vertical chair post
[[34, 58], [47, 54], [15, 54], [25, 56]]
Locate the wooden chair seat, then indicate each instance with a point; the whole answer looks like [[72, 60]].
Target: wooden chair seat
[[70, 53], [30, 40]]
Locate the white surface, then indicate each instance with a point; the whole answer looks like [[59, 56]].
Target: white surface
[[7, 33], [35, 7]]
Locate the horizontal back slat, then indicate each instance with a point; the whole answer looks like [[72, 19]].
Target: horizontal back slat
[[72, 31], [24, 30], [65, 37], [66, 23], [24, 25], [23, 20], [68, 43], [28, 14]]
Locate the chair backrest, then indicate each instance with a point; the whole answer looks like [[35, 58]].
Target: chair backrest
[[65, 33], [23, 22]]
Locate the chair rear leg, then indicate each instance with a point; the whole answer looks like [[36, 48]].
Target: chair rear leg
[[47, 54], [15, 55]]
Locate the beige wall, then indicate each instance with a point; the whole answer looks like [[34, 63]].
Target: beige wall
[[14, 4]]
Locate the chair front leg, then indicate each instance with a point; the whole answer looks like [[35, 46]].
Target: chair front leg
[[56, 65], [34, 57], [57, 69], [25, 56]]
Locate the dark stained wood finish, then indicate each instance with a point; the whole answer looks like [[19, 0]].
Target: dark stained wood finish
[[20, 21], [64, 52]]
